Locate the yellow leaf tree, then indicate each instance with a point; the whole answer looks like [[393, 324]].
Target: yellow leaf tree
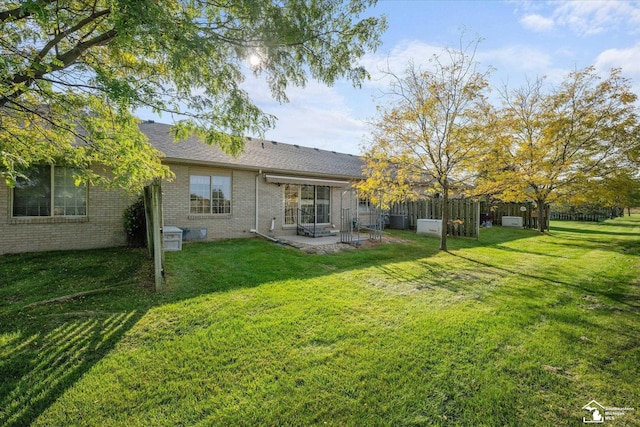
[[425, 139], [549, 139], [615, 192]]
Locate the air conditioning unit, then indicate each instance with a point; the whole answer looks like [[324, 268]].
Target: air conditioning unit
[[198, 233], [172, 239], [399, 222], [512, 221], [429, 227]]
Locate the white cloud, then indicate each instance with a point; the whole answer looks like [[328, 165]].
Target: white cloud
[[517, 57], [316, 116], [316, 93], [513, 64], [583, 17], [623, 58], [319, 127], [595, 17], [537, 23], [627, 59], [397, 60], [313, 91]]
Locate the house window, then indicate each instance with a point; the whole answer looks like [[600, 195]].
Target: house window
[[307, 204], [323, 204], [291, 193], [210, 194], [364, 205], [313, 202], [49, 191]]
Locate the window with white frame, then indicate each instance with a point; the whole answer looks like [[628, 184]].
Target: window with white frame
[[312, 202], [364, 204], [291, 197], [210, 194], [49, 191]]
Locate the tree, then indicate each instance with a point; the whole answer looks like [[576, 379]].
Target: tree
[[72, 72], [548, 141], [619, 190], [431, 132]]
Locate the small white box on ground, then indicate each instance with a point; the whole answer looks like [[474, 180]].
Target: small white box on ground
[[512, 221], [172, 239], [429, 227]]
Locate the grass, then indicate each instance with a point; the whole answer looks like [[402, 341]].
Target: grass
[[514, 329]]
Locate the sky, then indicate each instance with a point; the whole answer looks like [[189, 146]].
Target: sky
[[520, 40]]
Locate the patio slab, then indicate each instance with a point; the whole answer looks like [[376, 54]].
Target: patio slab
[[311, 241]]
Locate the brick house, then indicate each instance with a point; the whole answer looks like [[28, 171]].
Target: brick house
[[270, 188]]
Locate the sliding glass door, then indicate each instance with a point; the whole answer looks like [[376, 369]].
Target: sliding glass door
[[313, 201]]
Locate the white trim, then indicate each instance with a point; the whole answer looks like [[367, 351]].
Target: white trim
[[36, 219], [281, 179], [210, 214]]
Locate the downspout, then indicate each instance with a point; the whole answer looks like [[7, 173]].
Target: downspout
[[257, 201], [255, 230]]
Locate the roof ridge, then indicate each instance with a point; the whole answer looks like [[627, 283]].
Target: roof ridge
[[253, 138], [258, 153]]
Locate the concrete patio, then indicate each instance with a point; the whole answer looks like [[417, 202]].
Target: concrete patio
[[310, 241]]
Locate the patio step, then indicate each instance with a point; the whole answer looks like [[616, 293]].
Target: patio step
[[319, 233]]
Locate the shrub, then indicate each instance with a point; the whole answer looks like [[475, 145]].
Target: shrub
[[135, 224]]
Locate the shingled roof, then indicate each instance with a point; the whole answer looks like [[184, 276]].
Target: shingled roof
[[268, 156]]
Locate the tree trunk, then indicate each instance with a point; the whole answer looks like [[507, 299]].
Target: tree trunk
[[445, 215], [541, 222]]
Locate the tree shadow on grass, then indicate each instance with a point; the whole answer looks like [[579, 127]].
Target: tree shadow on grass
[[619, 246], [586, 235], [233, 264], [614, 291], [46, 348], [39, 364], [618, 241], [627, 222], [605, 310], [597, 232]]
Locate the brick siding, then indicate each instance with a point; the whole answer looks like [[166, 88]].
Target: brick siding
[[102, 227], [241, 220], [175, 199]]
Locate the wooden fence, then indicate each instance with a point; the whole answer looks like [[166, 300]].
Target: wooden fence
[[595, 215], [153, 215], [527, 211], [464, 214]]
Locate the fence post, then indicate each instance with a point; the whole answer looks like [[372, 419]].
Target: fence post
[[477, 219], [153, 214]]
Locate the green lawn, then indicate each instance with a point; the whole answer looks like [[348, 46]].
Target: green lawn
[[514, 329]]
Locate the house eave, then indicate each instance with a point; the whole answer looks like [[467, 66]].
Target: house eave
[[287, 179], [286, 172]]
